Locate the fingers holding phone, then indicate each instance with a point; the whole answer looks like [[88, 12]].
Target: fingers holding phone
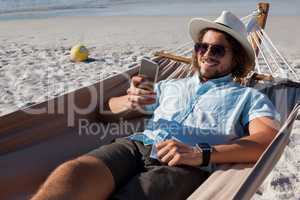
[[140, 85], [140, 96], [141, 91]]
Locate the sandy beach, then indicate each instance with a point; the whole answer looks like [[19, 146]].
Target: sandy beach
[[35, 65], [35, 61]]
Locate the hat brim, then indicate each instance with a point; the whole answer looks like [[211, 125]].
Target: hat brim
[[198, 24]]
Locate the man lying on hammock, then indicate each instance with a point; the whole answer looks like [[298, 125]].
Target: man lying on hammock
[[197, 122]]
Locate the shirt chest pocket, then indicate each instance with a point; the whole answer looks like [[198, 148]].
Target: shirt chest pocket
[[173, 101], [170, 106], [209, 113], [204, 119], [218, 104], [213, 111]]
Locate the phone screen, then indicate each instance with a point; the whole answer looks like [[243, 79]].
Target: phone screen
[[149, 70]]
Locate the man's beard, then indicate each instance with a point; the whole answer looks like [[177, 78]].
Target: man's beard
[[215, 74]]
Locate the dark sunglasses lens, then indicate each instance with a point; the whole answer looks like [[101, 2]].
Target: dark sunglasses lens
[[218, 51], [201, 48]]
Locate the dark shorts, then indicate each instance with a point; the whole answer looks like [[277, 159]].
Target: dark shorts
[[137, 176]]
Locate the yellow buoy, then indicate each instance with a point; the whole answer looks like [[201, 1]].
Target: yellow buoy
[[79, 53]]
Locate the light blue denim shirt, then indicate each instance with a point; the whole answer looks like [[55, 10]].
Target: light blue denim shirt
[[214, 112]]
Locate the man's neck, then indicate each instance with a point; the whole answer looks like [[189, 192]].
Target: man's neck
[[204, 79]]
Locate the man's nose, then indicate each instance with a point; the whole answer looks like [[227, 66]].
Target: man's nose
[[208, 52]]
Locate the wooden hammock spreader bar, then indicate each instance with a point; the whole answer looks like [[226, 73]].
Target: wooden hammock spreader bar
[[263, 77], [162, 54], [261, 20]]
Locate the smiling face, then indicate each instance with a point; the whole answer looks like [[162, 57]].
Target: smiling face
[[211, 66]]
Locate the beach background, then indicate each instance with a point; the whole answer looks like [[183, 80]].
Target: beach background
[[36, 37]]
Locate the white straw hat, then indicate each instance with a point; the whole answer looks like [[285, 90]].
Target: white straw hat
[[229, 23]]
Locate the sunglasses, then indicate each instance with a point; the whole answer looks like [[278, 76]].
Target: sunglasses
[[216, 50]]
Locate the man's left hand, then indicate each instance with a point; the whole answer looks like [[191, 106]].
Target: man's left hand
[[173, 153]]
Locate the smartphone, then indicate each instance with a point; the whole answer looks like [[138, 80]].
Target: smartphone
[[149, 70]]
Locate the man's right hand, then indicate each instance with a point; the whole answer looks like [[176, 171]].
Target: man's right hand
[[137, 95]]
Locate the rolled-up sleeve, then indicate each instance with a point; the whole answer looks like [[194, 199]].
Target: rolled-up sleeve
[[258, 105]]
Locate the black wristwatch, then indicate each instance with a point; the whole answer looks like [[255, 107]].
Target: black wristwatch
[[206, 150]]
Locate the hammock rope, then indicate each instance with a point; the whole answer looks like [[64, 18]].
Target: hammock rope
[[273, 57], [280, 55], [262, 53], [276, 63]]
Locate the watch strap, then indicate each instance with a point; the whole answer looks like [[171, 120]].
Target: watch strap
[[206, 150]]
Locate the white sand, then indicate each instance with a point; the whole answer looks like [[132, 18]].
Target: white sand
[[34, 65], [284, 180]]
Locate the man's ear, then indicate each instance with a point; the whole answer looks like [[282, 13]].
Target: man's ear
[[234, 63], [236, 70]]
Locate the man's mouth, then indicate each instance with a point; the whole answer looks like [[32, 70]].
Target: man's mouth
[[210, 62]]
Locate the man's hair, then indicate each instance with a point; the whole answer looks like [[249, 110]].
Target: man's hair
[[239, 58]]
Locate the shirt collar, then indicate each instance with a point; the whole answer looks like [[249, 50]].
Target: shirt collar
[[223, 79]]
